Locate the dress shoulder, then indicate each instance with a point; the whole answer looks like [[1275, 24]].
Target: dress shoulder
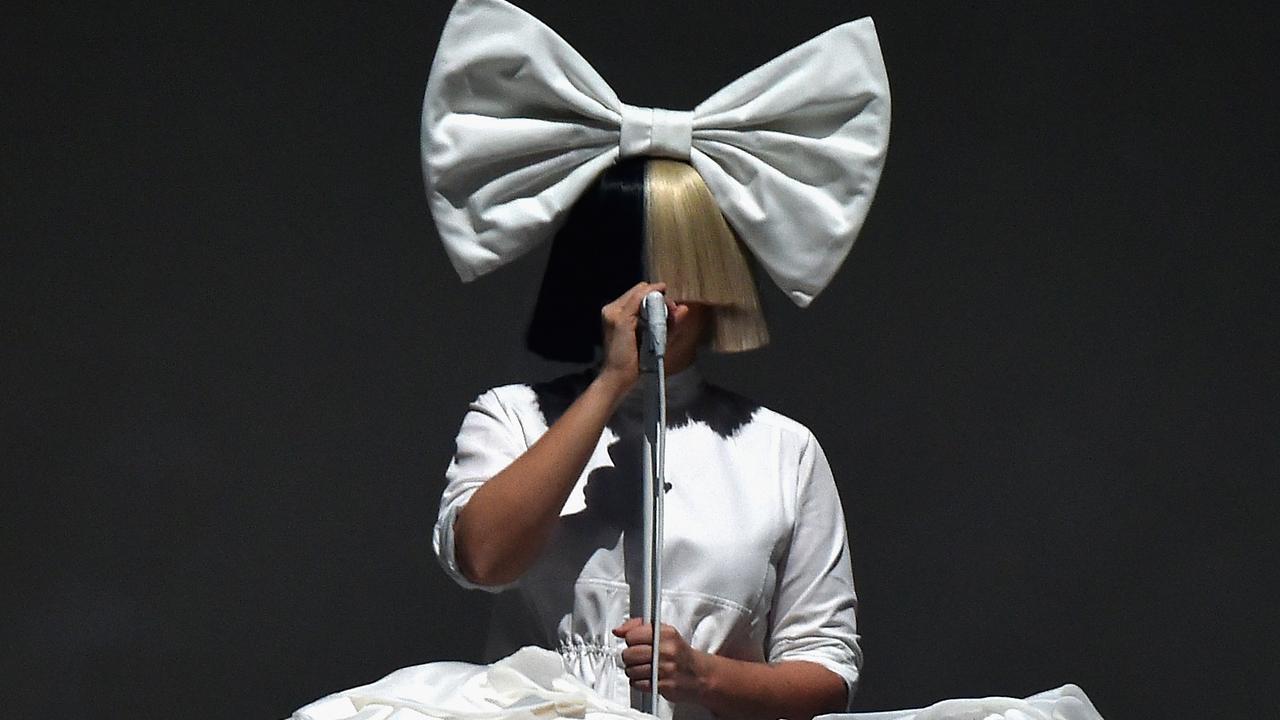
[[513, 398], [522, 403], [784, 423], [747, 410]]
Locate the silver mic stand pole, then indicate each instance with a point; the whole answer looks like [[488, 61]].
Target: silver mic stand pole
[[655, 430]]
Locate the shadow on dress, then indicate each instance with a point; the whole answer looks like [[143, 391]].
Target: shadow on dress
[[613, 493]]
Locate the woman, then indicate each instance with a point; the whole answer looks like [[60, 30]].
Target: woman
[[522, 140], [543, 494]]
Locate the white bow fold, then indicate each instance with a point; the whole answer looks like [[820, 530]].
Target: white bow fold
[[516, 125]]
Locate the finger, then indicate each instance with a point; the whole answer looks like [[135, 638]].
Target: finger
[[640, 676], [614, 316], [631, 301], [640, 672], [619, 303], [624, 628], [676, 318], [637, 655], [630, 292], [676, 312], [640, 635]]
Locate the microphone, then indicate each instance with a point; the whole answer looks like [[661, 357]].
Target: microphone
[[655, 324]]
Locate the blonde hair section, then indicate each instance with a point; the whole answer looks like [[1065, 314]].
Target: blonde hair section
[[691, 248]]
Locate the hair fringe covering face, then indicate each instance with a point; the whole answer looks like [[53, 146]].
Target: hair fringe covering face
[[644, 218], [691, 248]]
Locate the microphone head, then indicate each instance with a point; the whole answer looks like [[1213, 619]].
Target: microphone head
[[655, 317]]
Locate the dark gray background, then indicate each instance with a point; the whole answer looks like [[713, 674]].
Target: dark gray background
[[234, 356]]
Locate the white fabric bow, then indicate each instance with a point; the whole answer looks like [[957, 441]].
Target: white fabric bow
[[516, 125]]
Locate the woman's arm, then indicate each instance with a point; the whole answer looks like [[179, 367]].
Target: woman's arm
[[795, 690], [507, 522]]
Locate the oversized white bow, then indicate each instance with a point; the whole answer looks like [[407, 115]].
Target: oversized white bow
[[516, 125]]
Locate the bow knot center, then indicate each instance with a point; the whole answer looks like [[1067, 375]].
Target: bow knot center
[[655, 132]]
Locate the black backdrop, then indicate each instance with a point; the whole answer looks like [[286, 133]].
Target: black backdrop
[[234, 356]]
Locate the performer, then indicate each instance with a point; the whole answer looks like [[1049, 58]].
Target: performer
[[521, 141], [524, 142]]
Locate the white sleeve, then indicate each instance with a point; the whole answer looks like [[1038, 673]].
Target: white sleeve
[[813, 616], [488, 441]]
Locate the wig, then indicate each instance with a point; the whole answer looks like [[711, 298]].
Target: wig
[[644, 218]]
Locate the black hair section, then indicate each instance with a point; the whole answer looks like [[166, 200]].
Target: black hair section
[[596, 256]]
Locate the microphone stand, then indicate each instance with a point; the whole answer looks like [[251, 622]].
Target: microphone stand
[[653, 369]]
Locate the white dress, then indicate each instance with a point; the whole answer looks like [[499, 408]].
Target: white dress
[[757, 568], [532, 684], [756, 561]]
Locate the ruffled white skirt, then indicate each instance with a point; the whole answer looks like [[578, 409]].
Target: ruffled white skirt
[[532, 684]]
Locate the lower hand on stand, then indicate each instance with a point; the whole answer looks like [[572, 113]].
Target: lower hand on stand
[[682, 669]]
